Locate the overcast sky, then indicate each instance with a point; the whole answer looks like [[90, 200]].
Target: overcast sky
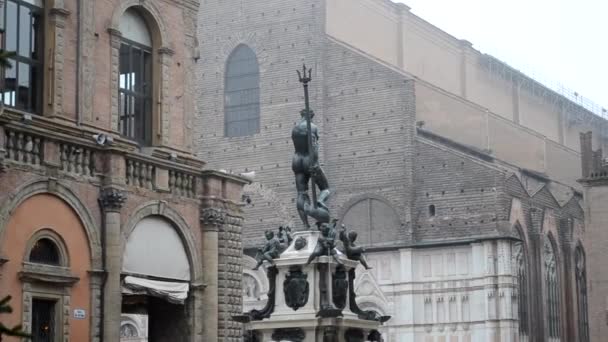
[[559, 40]]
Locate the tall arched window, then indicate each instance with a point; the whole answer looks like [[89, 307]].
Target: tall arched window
[[242, 93], [552, 293], [521, 269], [581, 295], [135, 79], [22, 24]]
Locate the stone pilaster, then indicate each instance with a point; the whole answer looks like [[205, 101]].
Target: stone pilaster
[[165, 56], [115, 37], [111, 201], [536, 274], [54, 87], [211, 219]]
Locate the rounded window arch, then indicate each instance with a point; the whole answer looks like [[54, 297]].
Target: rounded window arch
[[47, 248], [242, 93], [135, 79], [374, 219], [551, 290]]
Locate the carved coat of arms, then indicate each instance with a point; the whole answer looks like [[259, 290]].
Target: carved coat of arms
[[295, 288]]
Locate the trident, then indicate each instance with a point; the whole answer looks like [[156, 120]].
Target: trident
[[305, 77]]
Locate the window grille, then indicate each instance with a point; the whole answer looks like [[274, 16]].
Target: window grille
[[21, 22], [45, 251], [135, 81]]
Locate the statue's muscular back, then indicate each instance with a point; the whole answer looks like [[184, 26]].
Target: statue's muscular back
[[302, 158]]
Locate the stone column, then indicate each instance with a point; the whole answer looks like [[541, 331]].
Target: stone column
[[222, 219], [111, 201], [211, 219]]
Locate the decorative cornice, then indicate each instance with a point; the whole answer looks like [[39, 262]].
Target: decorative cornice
[[112, 199], [114, 32], [61, 12], [212, 217], [48, 277], [166, 51]]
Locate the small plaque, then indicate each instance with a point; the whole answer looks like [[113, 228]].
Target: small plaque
[[80, 314]]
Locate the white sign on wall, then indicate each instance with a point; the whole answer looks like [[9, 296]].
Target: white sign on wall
[[80, 314]]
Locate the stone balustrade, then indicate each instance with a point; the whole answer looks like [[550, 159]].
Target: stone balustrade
[[23, 147], [77, 159], [140, 174]]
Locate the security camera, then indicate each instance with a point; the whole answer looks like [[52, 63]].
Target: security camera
[[103, 139]]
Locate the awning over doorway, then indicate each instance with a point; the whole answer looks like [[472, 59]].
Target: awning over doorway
[[173, 292], [155, 261]]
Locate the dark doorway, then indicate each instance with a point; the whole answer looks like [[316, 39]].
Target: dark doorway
[[43, 320]]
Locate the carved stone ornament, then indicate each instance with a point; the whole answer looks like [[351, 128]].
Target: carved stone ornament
[[300, 243], [212, 216], [296, 288], [289, 334], [112, 199], [340, 288]]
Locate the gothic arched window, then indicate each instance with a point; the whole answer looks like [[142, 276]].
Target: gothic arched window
[[242, 93], [581, 295], [521, 269], [135, 78], [552, 293]]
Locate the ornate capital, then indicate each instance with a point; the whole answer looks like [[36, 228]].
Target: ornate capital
[[112, 199], [212, 217]]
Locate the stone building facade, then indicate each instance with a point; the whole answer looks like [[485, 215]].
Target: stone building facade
[[594, 182], [104, 210], [459, 176]]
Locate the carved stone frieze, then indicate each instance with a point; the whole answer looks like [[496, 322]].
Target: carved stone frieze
[[112, 199]]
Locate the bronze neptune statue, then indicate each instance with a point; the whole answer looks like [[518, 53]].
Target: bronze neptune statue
[[305, 164]]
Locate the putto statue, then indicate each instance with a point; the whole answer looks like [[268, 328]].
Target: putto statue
[[327, 242], [305, 163], [271, 250], [353, 252]]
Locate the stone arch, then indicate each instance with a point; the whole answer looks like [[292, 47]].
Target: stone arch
[[54, 187], [55, 238], [160, 208], [384, 206], [373, 303], [151, 14], [251, 40]]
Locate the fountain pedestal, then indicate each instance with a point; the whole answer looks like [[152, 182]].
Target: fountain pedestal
[[311, 301]]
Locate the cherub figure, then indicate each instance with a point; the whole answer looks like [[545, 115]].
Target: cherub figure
[[327, 242], [284, 236], [270, 251], [353, 251]]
